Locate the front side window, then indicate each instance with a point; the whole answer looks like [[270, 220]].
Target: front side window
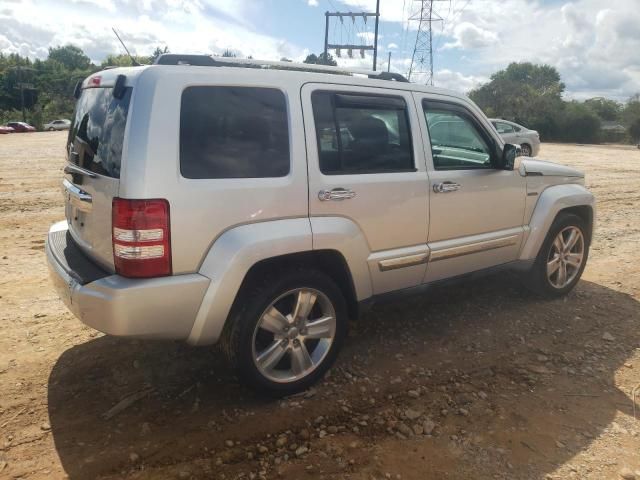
[[361, 133], [233, 132], [456, 141]]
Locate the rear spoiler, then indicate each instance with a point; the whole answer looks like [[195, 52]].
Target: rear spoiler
[[118, 87]]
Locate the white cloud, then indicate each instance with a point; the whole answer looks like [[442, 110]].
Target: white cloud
[[312, 3], [194, 26], [368, 37], [592, 43], [469, 36], [456, 81]]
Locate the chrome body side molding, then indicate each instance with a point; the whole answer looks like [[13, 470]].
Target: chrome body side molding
[[474, 247], [400, 262]]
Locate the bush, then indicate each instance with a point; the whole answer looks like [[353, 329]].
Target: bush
[[579, 124]]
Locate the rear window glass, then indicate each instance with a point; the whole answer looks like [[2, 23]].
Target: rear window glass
[[233, 132], [96, 135], [362, 133]]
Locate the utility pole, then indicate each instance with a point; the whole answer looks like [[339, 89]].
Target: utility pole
[[326, 33], [422, 58], [375, 39], [389, 63], [21, 86], [350, 47]]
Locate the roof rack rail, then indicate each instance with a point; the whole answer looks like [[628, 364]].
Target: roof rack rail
[[209, 61]]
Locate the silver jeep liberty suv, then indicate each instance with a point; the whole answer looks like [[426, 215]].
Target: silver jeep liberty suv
[[259, 204]]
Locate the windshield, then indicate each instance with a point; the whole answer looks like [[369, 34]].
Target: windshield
[[96, 135]]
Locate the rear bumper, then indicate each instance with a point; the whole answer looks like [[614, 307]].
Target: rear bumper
[[161, 308]]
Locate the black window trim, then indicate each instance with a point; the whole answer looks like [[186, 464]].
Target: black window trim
[[494, 154], [235, 85], [349, 99]]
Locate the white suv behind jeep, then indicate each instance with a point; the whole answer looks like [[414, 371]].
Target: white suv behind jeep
[[261, 205]]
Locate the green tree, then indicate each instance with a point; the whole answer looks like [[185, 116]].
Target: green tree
[[320, 59], [634, 130], [524, 93], [604, 108], [72, 57], [578, 123], [124, 60], [157, 52], [631, 110]]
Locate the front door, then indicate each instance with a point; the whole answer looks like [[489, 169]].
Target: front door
[[476, 210], [367, 170]]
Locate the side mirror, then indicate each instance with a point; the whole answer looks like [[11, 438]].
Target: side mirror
[[509, 154]]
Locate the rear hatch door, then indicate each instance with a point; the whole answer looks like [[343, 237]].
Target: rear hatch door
[[92, 174]]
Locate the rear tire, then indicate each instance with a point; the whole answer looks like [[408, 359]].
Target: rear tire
[[562, 257], [286, 331], [51, 129], [526, 150]]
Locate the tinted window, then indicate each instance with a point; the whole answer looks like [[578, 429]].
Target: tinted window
[[233, 132], [362, 133], [456, 142], [97, 131]]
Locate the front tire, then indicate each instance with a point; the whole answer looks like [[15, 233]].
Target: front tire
[[287, 331], [526, 150], [51, 129], [562, 257]]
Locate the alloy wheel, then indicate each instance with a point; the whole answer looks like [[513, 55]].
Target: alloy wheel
[[294, 335], [565, 257]]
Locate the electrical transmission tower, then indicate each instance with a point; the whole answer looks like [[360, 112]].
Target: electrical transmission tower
[[422, 58]]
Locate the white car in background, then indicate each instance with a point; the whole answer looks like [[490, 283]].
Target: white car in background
[[529, 140], [62, 124]]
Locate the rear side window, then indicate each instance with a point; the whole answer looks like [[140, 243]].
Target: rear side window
[[233, 132], [502, 127], [362, 133], [96, 135]]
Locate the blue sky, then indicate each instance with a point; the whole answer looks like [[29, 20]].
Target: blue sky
[[593, 43]]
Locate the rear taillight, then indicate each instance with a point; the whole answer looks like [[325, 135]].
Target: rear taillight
[[141, 237]]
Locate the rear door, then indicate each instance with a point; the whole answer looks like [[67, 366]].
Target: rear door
[[92, 174], [366, 164]]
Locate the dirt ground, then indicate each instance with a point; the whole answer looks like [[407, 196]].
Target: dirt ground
[[478, 380]]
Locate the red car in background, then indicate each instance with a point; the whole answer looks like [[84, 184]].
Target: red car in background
[[4, 129], [21, 127]]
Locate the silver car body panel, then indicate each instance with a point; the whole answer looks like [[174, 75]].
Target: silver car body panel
[[158, 308], [396, 232], [550, 202], [550, 169], [229, 260]]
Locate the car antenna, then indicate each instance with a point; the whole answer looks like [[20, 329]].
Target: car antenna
[[133, 60]]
